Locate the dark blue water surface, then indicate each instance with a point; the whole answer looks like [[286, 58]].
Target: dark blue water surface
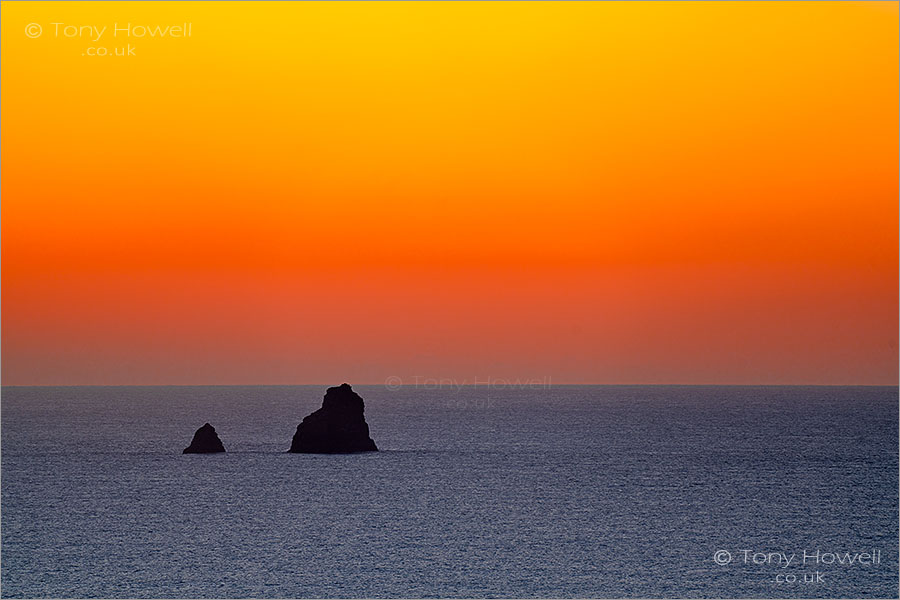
[[569, 491]]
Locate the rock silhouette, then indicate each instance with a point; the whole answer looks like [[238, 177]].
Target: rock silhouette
[[339, 427], [205, 441]]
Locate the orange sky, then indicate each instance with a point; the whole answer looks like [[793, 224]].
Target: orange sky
[[316, 193]]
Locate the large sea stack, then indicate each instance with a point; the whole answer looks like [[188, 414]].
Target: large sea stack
[[338, 427], [205, 441]]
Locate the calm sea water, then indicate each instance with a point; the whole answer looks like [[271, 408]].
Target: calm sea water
[[572, 491]]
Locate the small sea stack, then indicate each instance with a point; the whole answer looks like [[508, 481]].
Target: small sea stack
[[205, 441], [339, 427]]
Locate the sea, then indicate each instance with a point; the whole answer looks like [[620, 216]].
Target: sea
[[524, 491]]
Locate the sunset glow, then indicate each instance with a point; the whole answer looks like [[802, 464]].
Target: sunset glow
[[317, 192]]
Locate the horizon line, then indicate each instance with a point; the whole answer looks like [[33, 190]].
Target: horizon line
[[510, 384]]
